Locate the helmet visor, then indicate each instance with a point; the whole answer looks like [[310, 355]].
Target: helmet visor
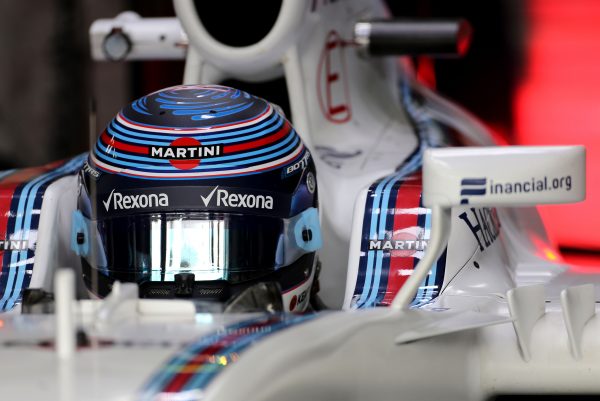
[[212, 246]]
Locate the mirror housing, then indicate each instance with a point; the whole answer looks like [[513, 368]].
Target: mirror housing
[[503, 176], [491, 176]]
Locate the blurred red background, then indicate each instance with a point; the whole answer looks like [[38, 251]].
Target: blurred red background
[[558, 102]]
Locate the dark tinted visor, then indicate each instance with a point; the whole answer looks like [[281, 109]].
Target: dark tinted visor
[[212, 246]]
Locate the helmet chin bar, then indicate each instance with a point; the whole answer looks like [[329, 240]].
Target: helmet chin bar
[[262, 296], [216, 296]]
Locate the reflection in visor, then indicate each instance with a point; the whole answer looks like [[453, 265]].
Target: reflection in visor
[[211, 246], [194, 246]]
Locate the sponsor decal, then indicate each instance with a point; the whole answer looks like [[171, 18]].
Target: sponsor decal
[[118, 201], [300, 165], [91, 171], [311, 184], [14, 245], [293, 302], [482, 186], [543, 184], [297, 302], [471, 187], [302, 298], [185, 153], [402, 244], [224, 198], [484, 225], [207, 199]]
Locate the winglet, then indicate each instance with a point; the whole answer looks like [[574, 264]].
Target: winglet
[[527, 305], [578, 305]]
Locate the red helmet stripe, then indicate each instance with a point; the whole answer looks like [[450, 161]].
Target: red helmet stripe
[[259, 142]]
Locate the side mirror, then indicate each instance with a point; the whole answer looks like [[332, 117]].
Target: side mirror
[[491, 176], [503, 176]]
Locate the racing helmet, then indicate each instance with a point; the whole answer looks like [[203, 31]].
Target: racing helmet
[[199, 191]]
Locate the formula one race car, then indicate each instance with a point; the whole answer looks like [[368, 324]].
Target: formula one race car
[[164, 264]]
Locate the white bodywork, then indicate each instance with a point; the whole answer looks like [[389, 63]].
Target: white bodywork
[[54, 248], [510, 318]]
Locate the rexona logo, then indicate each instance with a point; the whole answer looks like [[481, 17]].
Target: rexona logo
[[118, 201], [185, 153], [225, 198]]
